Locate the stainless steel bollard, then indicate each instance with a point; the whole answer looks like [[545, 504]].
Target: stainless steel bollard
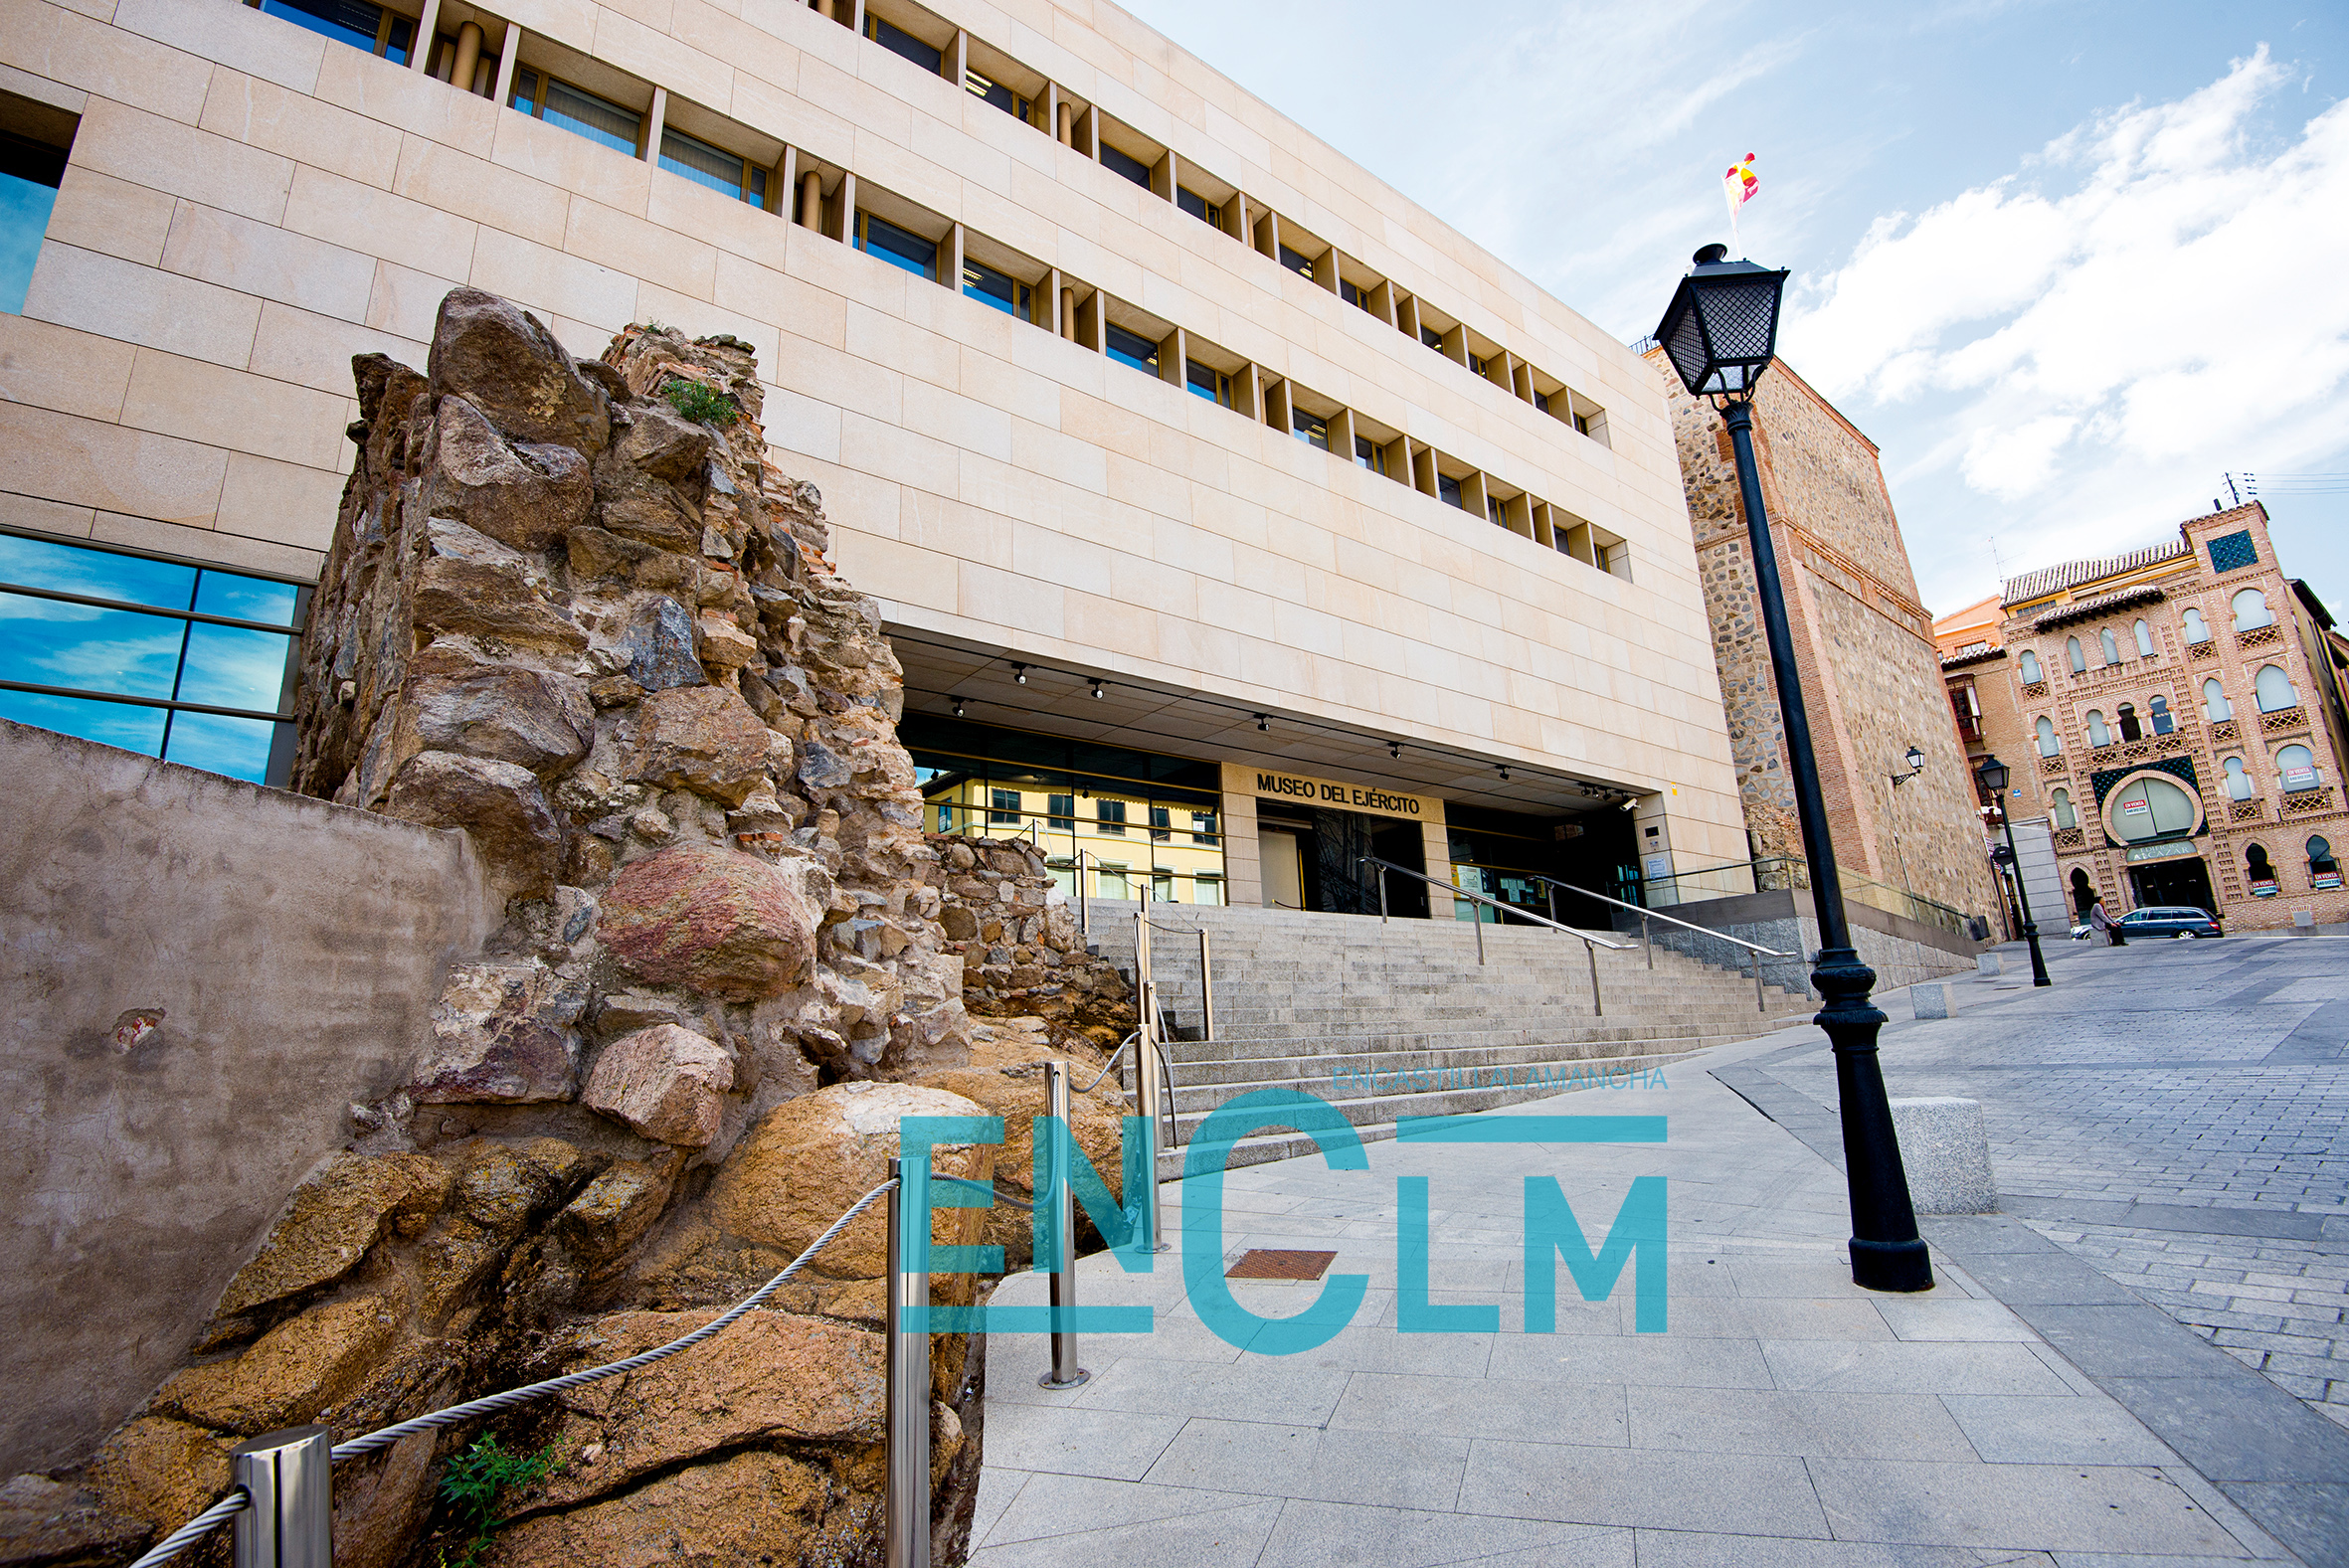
[[1065, 1372], [1151, 1105], [1760, 1006], [1598, 1009], [1208, 989], [1647, 939], [289, 1475], [907, 1506]]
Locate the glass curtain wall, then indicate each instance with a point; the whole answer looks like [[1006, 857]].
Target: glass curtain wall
[[1123, 817]]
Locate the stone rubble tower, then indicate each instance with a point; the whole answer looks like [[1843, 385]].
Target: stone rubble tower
[[603, 639]]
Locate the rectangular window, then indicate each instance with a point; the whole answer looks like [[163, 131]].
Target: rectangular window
[[1109, 817], [352, 22], [989, 287], [1432, 338], [1003, 807], [1352, 295], [600, 120], [1160, 822], [1132, 348], [946, 817], [1301, 265], [1198, 206], [1121, 163], [1204, 382], [1447, 490], [903, 44], [1207, 888], [29, 173], [181, 663], [1310, 429], [1368, 455], [881, 238], [714, 168], [1161, 885], [1541, 401], [1202, 831], [996, 92], [1060, 811], [525, 95], [1110, 881], [1476, 363], [1493, 511], [1582, 423]]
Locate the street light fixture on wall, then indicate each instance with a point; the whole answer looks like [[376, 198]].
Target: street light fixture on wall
[[1720, 332], [1916, 765], [1993, 775]]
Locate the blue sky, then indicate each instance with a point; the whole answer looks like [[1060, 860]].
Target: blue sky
[[2065, 263]]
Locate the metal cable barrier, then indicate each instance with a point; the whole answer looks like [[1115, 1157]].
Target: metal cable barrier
[[281, 1500]]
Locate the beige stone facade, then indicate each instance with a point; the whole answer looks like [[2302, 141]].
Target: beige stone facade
[[1871, 676], [1419, 524], [2200, 666]]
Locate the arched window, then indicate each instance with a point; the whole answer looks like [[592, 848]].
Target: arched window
[[2111, 647], [2084, 892], [2215, 705], [2144, 641], [2251, 610], [2060, 800], [2297, 767], [2046, 729], [2076, 654], [2257, 870], [2163, 724], [2129, 730], [2197, 629], [2098, 735], [2028, 667], [2238, 782], [2320, 857], [2275, 689], [2149, 807]]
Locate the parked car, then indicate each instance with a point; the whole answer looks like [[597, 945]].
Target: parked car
[[2082, 931], [2169, 920]]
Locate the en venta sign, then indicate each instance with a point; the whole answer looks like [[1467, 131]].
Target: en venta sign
[[1345, 797]]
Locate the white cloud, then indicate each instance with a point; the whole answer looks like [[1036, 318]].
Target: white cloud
[[2091, 339]]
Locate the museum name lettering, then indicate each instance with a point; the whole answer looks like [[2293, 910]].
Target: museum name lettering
[[1355, 796]]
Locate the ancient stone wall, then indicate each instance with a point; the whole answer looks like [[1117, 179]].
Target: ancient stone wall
[[1016, 933], [1871, 681], [574, 611]]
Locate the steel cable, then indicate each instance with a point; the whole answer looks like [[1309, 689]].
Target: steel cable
[[195, 1529]]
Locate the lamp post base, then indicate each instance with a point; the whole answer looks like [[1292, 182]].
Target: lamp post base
[[1887, 1252], [1891, 1265]]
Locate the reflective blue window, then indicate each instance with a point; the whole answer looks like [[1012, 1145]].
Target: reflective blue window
[[1297, 263], [989, 287], [1132, 348], [878, 237], [126, 651], [1310, 429], [597, 119], [1120, 163], [1447, 490], [352, 22], [901, 42], [29, 175], [714, 168], [1203, 381]]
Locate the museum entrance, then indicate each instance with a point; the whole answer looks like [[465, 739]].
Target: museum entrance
[[2174, 882], [1313, 860]]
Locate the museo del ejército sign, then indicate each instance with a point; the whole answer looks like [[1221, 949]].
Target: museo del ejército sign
[[1345, 797]]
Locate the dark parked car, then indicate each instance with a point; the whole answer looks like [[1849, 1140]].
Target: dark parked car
[[2168, 920]]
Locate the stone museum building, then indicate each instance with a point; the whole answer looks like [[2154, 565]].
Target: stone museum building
[[1233, 518], [2175, 714], [1905, 835]]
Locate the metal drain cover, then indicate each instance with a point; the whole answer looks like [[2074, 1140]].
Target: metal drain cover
[[1266, 1262]]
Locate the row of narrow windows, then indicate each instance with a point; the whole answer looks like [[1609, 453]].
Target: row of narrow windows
[[2272, 688], [566, 96], [2249, 609]]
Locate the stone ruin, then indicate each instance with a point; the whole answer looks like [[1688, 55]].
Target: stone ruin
[[573, 610]]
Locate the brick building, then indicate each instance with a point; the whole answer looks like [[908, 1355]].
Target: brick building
[[1870, 674], [2185, 718], [1983, 705]]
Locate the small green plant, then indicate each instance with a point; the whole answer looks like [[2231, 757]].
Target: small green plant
[[700, 404], [471, 1487], [657, 326]]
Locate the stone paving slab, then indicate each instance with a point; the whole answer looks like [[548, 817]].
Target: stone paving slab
[[1785, 1416]]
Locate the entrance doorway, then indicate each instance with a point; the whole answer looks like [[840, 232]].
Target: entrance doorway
[[1284, 867], [1405, 844], [1312, 859], [2176, 882]]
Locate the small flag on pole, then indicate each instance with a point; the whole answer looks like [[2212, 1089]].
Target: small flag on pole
[[1738, 187]]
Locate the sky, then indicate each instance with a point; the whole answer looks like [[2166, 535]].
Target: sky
[[2066, 264]]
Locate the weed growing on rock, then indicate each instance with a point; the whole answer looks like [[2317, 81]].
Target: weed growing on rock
[[701, 403], [471, 1487]]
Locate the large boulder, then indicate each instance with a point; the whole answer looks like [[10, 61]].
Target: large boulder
[[666, 1082], [755, 1507], [498, 804], [660, 643], [700, 737], [808, 1159], [333, 1219], [613, 1210], [527, 494], [715, 921], [46, 1523], [292, 1373], [503, 361], [502, 1033], [458, 701], [160, 1470]]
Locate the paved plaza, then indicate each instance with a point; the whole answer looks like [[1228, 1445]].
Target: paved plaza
[[2091, 1383]]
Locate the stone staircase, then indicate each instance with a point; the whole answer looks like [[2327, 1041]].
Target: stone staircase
[[1398, 1018]]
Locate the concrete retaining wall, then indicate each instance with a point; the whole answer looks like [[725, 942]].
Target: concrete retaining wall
[[294, 948], [1901, 950]]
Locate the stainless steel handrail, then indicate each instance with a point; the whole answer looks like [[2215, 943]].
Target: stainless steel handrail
[[1648, 942], [1590, 944]]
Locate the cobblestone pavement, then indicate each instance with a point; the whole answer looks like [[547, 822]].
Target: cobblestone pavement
[[2175, 1114]]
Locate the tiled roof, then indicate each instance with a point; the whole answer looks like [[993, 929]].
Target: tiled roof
[[2054, 578], [2090, 609], [1973, 653]]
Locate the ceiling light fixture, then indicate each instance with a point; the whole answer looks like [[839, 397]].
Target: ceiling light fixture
[[958, 707], [1261, 722], [1097, 688], [1020, 674], [1503, 767], [1394, 748]]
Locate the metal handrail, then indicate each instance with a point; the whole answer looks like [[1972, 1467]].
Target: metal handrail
[[1670, 920], [1590, 944]]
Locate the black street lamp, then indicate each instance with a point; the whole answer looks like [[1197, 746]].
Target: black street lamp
[[1994, 775], [1720, 332]]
